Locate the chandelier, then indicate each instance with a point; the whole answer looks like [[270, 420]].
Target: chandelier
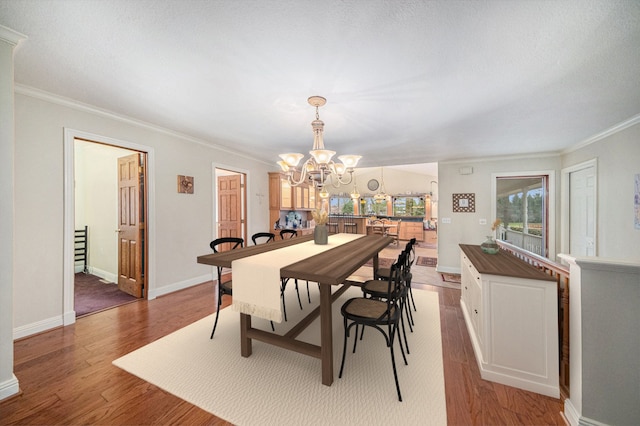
[[319, 169]]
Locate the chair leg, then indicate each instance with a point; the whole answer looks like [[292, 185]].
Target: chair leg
[[298, 293], [412, 301], [283, 286], [308, 295], [344, 347], [393, 364], [215, 324]]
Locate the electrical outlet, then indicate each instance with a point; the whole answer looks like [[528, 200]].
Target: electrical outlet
[[446, 220], [483, 221]]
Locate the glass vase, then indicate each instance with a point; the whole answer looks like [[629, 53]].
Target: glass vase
[[490, 246], [320, 234]]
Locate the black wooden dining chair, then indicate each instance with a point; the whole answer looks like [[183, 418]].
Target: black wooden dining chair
[[377, 289], [218, 245], [262, 237], [378, 314], [287, 234]]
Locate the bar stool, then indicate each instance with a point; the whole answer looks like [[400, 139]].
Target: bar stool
[[350, 226], [332, 227]]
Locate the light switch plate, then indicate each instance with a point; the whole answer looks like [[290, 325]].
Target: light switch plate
[[483, 221], [446, 220]]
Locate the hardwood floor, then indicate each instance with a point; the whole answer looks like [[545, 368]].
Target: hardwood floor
[[66, 375]]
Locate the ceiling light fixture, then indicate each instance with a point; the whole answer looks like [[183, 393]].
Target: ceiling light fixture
[[382, 194], [319, 168], [354, 193]]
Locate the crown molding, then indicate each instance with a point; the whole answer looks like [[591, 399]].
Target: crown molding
[[73, 104], [534, 155], [605, 134], [10, 36]]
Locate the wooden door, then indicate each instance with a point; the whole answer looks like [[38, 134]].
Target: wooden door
[[230, 206], [130, 225]]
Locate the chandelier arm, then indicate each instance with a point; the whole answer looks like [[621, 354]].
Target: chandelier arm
[[303, 175], [346, 182]]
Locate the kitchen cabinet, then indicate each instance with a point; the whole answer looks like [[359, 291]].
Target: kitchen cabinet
[[409, 230], [511, 312], [283, 197]]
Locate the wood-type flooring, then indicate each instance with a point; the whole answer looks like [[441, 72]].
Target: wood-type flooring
[[66, 376]]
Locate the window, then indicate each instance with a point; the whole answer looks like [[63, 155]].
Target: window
[[369, 207], [340, 205], [408, 206], [522, 203]]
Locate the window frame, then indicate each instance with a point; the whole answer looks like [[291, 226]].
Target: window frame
[[550, 211]]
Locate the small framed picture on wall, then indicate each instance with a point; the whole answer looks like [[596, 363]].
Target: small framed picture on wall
[[464, 203]]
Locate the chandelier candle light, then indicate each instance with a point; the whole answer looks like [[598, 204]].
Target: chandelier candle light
[[319, 168]]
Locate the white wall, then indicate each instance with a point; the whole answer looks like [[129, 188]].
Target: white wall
[[618, 159], [8, 381], [184, 224], [465, 228]]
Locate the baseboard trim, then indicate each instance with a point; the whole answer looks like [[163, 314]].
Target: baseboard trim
[[107, 276], [69, 317], [448, 269], [9, 387], [153, 293], [37, 327]]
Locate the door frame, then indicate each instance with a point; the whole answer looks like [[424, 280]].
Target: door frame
[[70, 135], [246, 200], [565, 219]]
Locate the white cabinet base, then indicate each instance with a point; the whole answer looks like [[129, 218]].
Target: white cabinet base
[[512, 322]]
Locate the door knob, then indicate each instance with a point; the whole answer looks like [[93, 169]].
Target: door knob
[[118, 230]]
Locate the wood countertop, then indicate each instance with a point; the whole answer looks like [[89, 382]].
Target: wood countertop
[[502, 263]]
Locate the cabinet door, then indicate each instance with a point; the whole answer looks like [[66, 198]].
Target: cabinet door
[[285, 195], [274, 191], [312, 197]]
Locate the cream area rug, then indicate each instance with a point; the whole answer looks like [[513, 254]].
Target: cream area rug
[[276, 386]]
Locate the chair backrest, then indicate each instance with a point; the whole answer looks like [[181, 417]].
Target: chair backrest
[[377, 226], [396, 281], [288, 233], [226, 243], [262, 235]]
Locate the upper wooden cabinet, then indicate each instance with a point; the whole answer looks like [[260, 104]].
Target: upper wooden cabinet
[[282, 196]]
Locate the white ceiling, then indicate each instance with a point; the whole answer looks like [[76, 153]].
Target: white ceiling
[[406, 81]]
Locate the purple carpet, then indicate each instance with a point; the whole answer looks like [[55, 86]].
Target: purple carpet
[[93, 295]]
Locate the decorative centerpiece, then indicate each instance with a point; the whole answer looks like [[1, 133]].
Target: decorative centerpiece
[[490, 246], [320, 234]]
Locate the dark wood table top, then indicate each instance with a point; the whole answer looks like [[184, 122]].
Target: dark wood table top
[[502, 263], [226, 257], [330, 267], [335, 265]]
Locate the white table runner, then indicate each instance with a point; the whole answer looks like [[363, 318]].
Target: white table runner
[[256, 279]]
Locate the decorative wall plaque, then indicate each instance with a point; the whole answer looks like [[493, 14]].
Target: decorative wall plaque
[[185, 184], [464, 203]]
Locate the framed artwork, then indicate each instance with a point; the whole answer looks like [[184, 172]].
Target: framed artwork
[[464, 203], [185, 184]]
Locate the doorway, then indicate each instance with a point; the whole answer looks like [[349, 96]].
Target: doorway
[[91, 199], [109, 184], [231, 196]]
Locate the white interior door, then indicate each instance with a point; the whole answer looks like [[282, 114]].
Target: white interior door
[[582, 205]]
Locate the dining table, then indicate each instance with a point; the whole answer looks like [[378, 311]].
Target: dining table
[[329, 268]]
